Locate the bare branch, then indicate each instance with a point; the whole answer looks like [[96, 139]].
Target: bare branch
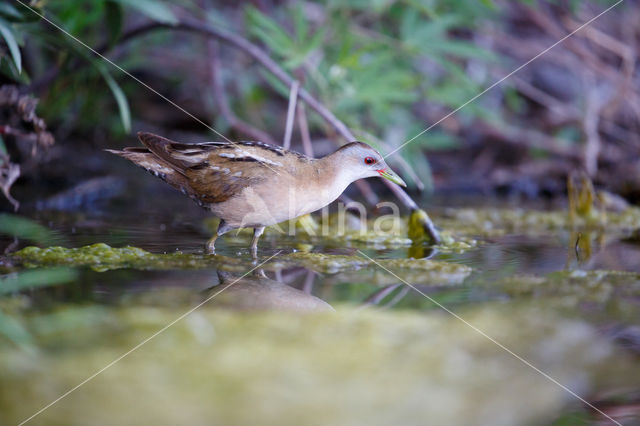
[[307, 287], [222, 102], [293, 98], [9, 173], [590, 124], [304, 130]]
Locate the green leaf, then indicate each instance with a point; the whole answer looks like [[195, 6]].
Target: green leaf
[[489, 3], [116, 90], [439, 141], [21, 227], [299, 56], [274, 83], [14, 331], [8, 69], [118, 93], [10, 12], [34, 278], [294, 49], [114, 18], [463, 49], [269, 32], [121, 99], [154, 9], [300, 23], [9, 38], [426, 33], [3, 147]]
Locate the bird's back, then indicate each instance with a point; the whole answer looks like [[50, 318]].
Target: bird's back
[[213, 172]]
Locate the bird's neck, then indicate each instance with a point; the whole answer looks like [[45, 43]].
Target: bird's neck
[[318, 183], [333, 174]]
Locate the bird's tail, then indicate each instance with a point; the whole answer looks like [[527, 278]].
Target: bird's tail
[[156, 166]]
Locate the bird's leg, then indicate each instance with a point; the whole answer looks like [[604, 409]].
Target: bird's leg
[[254, 242], [222, 228]]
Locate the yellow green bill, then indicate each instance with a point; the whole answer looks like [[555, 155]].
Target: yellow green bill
[[392, 176]]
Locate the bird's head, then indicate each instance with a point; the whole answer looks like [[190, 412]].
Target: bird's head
[[362, 161]]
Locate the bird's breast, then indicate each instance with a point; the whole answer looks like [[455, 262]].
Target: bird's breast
[[276, 201]]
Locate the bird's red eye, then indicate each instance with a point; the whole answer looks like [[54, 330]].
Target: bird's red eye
[[369, 160]]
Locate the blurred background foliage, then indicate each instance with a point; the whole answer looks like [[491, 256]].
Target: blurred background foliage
[[388, 68]]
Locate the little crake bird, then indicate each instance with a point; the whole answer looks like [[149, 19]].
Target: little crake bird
[[254, 184]]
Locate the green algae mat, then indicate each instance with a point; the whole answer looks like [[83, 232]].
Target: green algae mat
[[101, 257]]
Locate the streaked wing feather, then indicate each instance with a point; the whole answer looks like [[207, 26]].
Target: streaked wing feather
[[216, 171]]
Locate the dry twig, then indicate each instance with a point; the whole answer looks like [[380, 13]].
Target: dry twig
[[293, 99], [21, 110], [222, 102]]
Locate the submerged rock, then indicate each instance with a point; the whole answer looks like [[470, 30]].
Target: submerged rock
[[365, 367]]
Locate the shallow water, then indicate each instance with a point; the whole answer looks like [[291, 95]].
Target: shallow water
[[165, 232], [514, 275]]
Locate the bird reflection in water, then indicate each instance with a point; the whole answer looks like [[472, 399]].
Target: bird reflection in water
[[259, 292]]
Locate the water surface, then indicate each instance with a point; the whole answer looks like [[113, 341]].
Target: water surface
[[568, 301]]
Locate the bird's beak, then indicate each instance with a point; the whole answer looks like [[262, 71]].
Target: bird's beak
[[387, 173]]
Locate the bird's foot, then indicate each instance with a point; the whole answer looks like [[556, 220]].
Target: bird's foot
[[210, 246], [254, 242]]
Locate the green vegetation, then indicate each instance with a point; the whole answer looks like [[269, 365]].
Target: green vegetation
[[26, 229], [376, 66], [100, 257], [373, 66], [494, 222], [606, 294], [313, 369], [30, 279]]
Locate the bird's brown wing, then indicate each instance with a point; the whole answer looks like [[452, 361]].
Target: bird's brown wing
[[209, 172]]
